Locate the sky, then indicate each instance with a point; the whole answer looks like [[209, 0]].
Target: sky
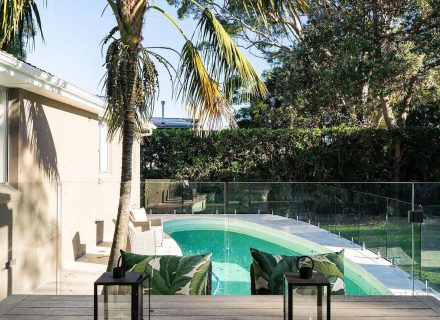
[[73, 30]]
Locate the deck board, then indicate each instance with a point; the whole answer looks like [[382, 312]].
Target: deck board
[[44, 307]]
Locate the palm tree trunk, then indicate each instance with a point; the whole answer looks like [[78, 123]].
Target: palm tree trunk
[[125, 11], [121, 228]]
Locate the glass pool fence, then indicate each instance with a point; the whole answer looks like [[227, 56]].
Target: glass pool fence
[[373, 215], [56, 237]]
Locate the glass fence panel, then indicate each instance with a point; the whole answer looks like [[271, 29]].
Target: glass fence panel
[[371, 215], [171, 197], [372, 222], [208, 197], [61, 240], [427, 195], [166, 197], [88, 217], [333, 210], [430, 247], [302, 202], [29, 220], [399, 235], [247, 198]]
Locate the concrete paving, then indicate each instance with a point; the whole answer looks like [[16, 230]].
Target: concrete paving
[[77, 278]]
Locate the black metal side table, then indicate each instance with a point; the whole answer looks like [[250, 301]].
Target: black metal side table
[[293, 281], [121, 298]]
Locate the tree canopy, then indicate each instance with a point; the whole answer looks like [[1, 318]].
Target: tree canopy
[[265, 27], [366, 63]]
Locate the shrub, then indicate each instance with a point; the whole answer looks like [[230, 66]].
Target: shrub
[[336, 154]]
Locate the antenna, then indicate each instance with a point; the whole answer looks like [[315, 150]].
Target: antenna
[[163, 111]]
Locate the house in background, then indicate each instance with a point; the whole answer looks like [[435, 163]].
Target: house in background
[[59, 176], [173, 123]]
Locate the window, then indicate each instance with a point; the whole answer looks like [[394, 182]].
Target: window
[[103, 148], [3, 135]]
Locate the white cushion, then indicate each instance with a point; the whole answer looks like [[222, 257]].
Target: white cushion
[[139, 214]]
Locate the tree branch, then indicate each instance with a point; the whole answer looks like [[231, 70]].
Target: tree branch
[[407, 100], [387, 112]]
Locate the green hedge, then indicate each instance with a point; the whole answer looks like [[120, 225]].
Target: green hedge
[[338, 154]]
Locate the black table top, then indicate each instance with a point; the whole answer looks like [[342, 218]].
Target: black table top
[[317, 279], [130, 278]]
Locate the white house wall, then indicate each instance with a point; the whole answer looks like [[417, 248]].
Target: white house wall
[[54, 164]]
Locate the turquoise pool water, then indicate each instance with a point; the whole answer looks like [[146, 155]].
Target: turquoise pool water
[[231, 257]]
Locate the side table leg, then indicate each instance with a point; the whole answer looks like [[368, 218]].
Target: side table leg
[[319, 302], [290, 302], [106, 317], [329, 293], [95, 302], [284, 300]]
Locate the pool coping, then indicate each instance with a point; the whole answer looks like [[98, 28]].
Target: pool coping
[[383, 273]]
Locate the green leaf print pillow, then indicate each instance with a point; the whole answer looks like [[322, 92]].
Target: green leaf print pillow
[[269, 269], [171, 275]]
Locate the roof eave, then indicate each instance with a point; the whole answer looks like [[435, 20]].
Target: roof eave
[[18, 74]]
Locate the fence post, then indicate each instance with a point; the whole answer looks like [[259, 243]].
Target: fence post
[[386, 230], [412, 240], [225, 198]]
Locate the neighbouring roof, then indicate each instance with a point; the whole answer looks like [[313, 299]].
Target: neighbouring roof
[[174, 123], [15, 73]]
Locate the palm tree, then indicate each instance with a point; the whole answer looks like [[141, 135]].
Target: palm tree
[[211, 70], [20, 23]]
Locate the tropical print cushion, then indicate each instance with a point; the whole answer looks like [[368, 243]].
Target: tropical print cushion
[[171, 275], [269, 270]]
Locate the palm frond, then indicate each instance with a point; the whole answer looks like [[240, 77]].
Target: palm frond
[[172, 72], [20, 22], [224, 59], [199, 91], [212, 72], [270, 11], [169, 17], [127, 85]]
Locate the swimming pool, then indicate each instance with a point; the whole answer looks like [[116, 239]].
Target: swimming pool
[[230, 240]]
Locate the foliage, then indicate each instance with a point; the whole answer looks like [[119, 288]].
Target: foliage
[[204, 80], [261, 24], [140, 94], [20, 22], [363, 63], [337, 154], [211, 68]]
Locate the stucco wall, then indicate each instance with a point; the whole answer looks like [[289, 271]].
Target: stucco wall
[[53, 162], [9, 198]]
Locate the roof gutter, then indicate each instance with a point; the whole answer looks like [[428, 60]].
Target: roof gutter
[[19, 74]]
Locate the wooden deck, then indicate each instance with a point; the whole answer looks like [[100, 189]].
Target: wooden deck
[[38, 307]]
